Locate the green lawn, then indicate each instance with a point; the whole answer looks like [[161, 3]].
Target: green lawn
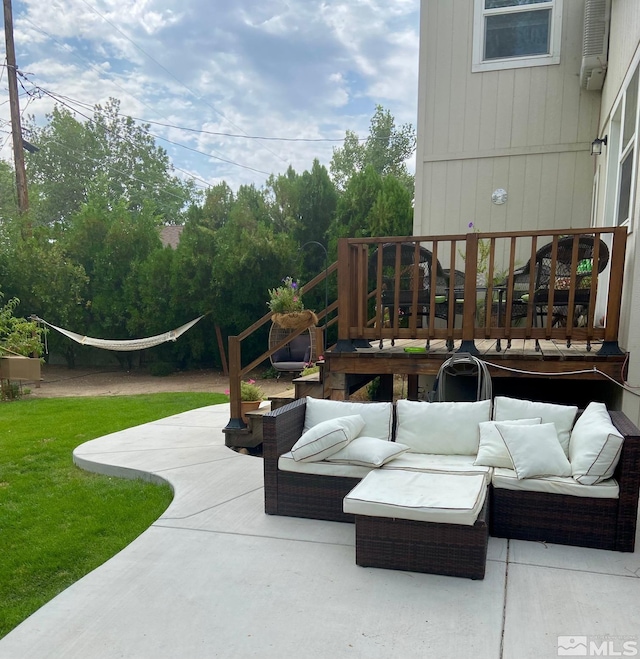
[[58, 522]]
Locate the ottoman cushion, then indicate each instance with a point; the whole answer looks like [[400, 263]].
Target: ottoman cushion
[[425, 497]]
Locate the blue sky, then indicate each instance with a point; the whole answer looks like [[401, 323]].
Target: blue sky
[[280, 68]]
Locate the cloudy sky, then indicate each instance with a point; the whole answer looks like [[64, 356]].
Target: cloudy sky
[[297, 69]]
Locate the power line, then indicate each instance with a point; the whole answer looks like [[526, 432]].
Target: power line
[[200, 131], [58, 99], [91, 107]]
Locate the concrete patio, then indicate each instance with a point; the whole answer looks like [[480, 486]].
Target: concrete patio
[[216, 577]]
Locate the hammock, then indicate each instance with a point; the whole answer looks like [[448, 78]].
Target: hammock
[[123, 346]]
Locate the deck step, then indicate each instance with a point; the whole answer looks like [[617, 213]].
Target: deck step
[[309, 385], [282, 398]]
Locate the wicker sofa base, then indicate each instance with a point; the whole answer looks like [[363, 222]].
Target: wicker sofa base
[[400, 544], [313, 496], [556, 518]]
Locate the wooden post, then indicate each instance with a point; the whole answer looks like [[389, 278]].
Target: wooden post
[[16, 128], [345, 303], [235, 422]]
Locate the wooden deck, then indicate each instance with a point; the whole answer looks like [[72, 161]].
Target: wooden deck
[[522, 359]]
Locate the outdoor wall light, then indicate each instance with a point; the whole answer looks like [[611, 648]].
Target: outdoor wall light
[[596, 145]]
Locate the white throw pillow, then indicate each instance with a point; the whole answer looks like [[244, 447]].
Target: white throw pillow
[[326, 438], [441, 428], [378, 417], [595, 446], [535, 450], [492, 451], [368, 452], [563, 416]]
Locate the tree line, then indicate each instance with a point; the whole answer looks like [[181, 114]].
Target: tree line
[[88, 255]]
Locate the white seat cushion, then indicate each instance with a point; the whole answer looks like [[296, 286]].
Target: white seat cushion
[[423, 497], [441, 428], [563, 416], [323, 468], [454, 464], [378, 417], [595, 446], [507, 479]]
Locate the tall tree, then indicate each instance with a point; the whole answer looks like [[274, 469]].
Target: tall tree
[[386, 149], [109, 155]]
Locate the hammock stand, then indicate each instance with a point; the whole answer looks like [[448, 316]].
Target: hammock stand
[[126, 345]]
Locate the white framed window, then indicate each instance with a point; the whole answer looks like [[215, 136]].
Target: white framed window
[[509, 34], [625, 129], [622, 156]]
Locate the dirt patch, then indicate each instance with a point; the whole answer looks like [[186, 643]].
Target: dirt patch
[[60, 381]]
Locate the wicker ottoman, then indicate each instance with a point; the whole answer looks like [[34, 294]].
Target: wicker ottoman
[[421, 522]]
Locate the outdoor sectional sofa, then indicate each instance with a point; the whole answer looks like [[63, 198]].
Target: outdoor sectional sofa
[[601, 515]]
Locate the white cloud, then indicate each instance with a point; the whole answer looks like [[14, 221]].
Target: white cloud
[[295, 68]]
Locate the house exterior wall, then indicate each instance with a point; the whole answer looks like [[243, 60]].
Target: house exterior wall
[[623, 60], [526, 130]]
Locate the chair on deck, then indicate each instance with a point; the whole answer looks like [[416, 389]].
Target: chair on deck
[[428, 272], [295, 355], [541, 271]]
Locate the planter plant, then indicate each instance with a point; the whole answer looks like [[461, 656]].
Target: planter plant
[[287, 308], [251, 396]]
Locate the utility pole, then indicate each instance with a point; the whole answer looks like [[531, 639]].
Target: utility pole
[[16, 127]]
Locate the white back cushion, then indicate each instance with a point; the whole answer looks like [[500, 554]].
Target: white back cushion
[[492, 451], [563, 416], [378, 417], [368, 452], [535, 450], [441, 428], [326, 438], [595, 446]]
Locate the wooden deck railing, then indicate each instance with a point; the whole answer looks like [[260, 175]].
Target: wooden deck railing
[[529, 284], [549, 284]]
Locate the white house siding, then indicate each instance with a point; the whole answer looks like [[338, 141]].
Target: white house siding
[[525, 130], [624, 56]]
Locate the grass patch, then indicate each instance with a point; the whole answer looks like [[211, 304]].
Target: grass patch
[[57, 522]]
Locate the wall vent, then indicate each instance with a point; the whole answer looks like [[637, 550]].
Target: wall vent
[[595, 44]]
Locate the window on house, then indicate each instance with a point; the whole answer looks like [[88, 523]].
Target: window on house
[[621, 159], [627, 152], [516, 33]]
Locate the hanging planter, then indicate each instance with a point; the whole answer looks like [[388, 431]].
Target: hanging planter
[[295, 319], [287, 308]]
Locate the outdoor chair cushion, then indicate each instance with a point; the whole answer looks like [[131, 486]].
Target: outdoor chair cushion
[[492, 451], [595, 446], [300, 348], [368, 452], [563, 416], [322, 468], [450, 464], [441, 428], [535, 450], [507, 479], [326, 438], [378, 417], [422, 497]]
